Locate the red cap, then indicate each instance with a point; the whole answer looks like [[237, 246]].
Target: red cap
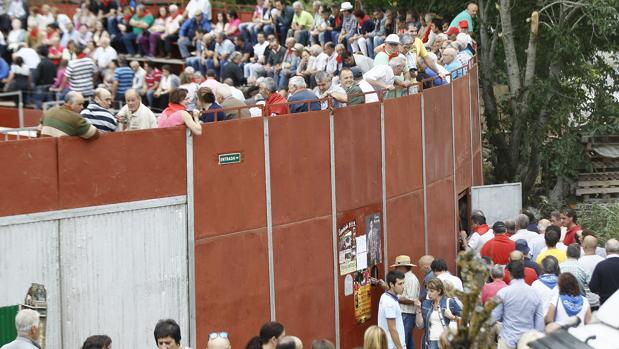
[[464, 24], [452, 31]]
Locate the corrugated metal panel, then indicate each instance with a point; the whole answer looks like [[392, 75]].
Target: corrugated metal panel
[[486, 197], [29, 253], [122, 272]]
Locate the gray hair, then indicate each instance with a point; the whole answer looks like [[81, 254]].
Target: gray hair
[[397, 62], [522, 221], [234, 55], [269, 84], [317, 3], [297, 81], [497, 271], [406, 39], [25, 320], [323, 76], [550, 265], [315, 50], [297, 4], [612, 246], [510, 225], [72, 97]]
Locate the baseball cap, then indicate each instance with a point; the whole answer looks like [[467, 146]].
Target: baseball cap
[[463, 24], [392, 39], [522, 246], [499, 227], [452, 31]]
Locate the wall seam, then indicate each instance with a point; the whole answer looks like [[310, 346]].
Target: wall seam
[[267, 176]]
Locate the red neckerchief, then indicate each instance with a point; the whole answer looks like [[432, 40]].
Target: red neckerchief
[[482, 229], [82, 55], [391, 55], [362, 21], [173, 107], [33, 32]]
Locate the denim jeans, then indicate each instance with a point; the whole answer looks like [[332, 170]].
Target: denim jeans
[[433, 345], [409, 324], [129, 39]]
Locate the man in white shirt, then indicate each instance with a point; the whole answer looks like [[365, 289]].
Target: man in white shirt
[[589, 260], [522, 222], [326, 88], [194, 5], [408, 297], [482, 233], [30, 56], [104, 55], [135, 115], [439, 269], [390, 313], [383, 76]]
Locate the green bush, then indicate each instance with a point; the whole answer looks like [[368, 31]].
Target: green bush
[[603, 220]]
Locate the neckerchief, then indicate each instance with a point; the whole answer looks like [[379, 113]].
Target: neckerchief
[[482, 229], [571, 304], [549, 280]]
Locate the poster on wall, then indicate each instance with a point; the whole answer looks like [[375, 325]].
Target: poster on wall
[[362, 296], [346, 244], [372, 233]]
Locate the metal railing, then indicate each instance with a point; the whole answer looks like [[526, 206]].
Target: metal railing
[[20, 104]]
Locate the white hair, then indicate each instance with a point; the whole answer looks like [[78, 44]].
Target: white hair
[[397, 62], [223, 91], [315, 50], [297, 81], [297, 4], [25, 320]]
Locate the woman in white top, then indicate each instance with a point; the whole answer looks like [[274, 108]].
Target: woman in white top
[[19, 76], [435, 313], [17, 36], [567, 304]]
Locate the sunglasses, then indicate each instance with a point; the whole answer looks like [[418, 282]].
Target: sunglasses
[[214, 335]]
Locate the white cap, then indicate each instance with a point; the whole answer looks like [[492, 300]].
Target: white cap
[[392, 39], [346, 6]]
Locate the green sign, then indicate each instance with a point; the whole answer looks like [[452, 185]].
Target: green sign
[[230, 158]]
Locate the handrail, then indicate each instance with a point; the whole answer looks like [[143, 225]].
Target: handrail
[[20, 104]]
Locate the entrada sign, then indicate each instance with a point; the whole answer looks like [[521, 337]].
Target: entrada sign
[[230, 158]]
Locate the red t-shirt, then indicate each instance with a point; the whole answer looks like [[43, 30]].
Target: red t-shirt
[[499, 248], [570, 235], [275, 104], [529, 276], [152, 77]]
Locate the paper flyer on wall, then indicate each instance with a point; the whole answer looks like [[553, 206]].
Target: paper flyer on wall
[[362, 297], [373, 238], [347, 253]]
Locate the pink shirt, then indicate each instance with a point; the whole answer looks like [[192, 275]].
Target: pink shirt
[[172, 116], [491, 289]]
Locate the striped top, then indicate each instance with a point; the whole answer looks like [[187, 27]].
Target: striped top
[[80, 72], [100, 117], [60, 121], [124, 76]]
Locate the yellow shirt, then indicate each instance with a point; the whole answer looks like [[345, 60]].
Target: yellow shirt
[[559, 254], [418, 48], [305, 20]]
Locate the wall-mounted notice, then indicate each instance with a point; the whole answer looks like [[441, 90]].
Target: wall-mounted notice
[[362, 296], [347, 253], [348, 285], [372, 233]]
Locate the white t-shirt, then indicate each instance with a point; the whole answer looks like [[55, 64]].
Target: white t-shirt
[[436, 327], [380, 73], [544, 293], [476, 241], [104, 56], [561, 316], [454, 280], [389, 308], [365, 88], [524, 234], [588, 263], [30, 56]]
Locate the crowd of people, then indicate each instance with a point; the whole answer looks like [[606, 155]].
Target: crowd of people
[[543, 275], [287, 59]]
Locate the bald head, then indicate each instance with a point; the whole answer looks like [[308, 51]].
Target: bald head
[[589, 244], [612, 246], [472, 9], [425, 262], [516, 256], [290, 342], [218, 343]]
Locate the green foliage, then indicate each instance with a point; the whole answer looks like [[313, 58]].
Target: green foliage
[[603, 220]]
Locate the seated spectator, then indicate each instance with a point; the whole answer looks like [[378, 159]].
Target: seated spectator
[[234, 108], [319, 25], [235, 92], [54, 51], [140, 22], [233, 70], [319, 61], [223, 49], [204, 50], [70, 34], [567, 303], [275, 57], [232, 27], [220, 24], [187, 32], [65, 120], [123, 79], [191, 10], [84, 36], [257, 62], [139, 76], [249, 29], [325, 88], [151, 79], [4, 71], [97, 112], [302, 22], [275, 103], [19, 78], [349, 24], [244, 48], [70, 52], [100, 33], [149, 39], [208, 108], [167, 84], [44, 77], [359, 40], [172, 26], [176, 113], [104, 55], [134, 115], [283, 21], [186, 82], [289, 64], [299, 93]]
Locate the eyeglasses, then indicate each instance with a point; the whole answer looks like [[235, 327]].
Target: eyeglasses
[[214, 335]]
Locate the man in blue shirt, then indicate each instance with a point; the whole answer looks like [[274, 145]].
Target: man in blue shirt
[[299, 92], [188, 31], [520, 309], [451, 63]]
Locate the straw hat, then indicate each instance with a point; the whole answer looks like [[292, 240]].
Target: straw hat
[[403, 261]]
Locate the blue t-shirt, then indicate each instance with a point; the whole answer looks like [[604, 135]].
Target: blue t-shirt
[[4, 69], [124, 76]]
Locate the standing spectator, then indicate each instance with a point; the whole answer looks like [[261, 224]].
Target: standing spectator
[[139, 76], [354, 94], [140, 22], [552, 238], [65, 120], [529, 273], [568, 303], [490, 289], [468, 14], [451, 63], [44, 77], [440, 271], [123, 79], [373, 338], [176, 114], [425, 264], [275, 104], [546, 284], [605, 278], [97, 112], [236, 109], [522, 222], [28, 330], [589, 260], [187, 33], [499, 247], [80, 73], [383, 76], [302, 22], [168, 334], [407, 298], [572, 265], [521, 245], [134, 115], [61, 83], [97, 342], [283, 21], [435, 313], [539, 242], [568, 220], [519, 309], [218, 340], [298, 93], [270, 334], [389, 311], [482, 233]]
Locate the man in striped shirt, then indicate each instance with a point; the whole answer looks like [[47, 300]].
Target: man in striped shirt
[[97, 112], [80, 73]]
